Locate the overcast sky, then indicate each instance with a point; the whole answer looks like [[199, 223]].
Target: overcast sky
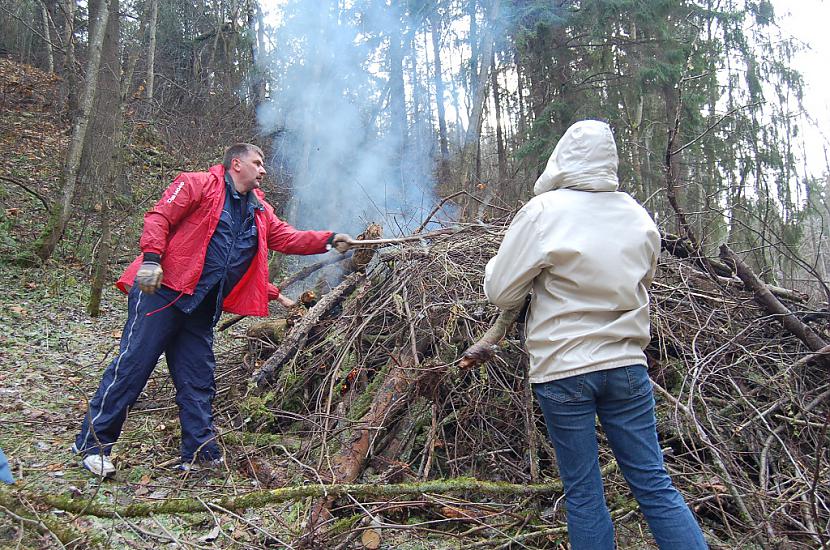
[[808, 21]]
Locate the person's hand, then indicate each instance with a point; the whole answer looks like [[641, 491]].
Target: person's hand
[[149, 276], [342, 242], [476, 354], [285, 301]]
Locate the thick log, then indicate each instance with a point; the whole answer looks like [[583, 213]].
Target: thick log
[[765, 298], [348, 464], [402, 375], [297, 337]]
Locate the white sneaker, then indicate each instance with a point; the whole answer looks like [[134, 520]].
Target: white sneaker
[[100, 465]]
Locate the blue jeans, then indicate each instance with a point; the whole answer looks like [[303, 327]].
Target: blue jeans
[[623, 400], [5, 470]]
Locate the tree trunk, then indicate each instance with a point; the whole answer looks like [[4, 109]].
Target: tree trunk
[[257, 20], [69, 86], [151, 49], [444, 161], [397, 107], [480, 88], [502, 155], [53, 232], [99, 274], [47, 39], [520, 94], [132, 57]]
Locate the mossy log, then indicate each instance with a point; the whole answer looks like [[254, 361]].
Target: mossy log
[[10, 497], [12, 505]]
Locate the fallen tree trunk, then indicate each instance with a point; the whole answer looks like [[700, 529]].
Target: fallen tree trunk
[[770, 303], [390, 398], [258, 499]]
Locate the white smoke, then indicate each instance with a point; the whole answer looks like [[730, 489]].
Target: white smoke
[[329, 112]]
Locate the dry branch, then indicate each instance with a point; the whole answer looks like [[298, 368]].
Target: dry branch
[[771, 304], [269, 371]]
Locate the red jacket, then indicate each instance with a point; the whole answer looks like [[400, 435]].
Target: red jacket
[[179, 228]]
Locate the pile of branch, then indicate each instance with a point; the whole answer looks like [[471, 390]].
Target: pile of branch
[[370, 383]]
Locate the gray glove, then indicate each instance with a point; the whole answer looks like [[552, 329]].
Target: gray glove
[[342, 242], [149, 276]]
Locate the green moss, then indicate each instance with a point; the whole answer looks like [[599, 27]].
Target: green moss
[[256, 410], [262, 440], [361, 405], [345, 524]]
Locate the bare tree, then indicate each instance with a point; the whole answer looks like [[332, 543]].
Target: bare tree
[[151, 48], [444, 166], [47, 40], [56, 224]]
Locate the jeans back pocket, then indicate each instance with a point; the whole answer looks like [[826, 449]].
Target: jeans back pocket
[[564, 390]]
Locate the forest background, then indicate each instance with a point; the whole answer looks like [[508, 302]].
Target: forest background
[[375, 111]]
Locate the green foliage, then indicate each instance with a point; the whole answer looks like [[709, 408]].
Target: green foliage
[[256, 409]]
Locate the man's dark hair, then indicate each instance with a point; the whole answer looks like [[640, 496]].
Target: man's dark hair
[[238, 150]]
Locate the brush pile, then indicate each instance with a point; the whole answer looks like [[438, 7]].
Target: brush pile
[[366, 388], [351, 425]]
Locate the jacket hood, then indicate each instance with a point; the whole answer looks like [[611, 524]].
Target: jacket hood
[[585, 159]]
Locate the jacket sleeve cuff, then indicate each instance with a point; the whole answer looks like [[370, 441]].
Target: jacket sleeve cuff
[[152, 257]]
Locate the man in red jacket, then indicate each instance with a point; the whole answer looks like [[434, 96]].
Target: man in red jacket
[[204, 250]]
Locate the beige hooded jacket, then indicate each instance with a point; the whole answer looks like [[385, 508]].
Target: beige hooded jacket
[[588, 254]]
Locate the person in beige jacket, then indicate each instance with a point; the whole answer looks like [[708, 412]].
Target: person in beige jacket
[[587, 254]]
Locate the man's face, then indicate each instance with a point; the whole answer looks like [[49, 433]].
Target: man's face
[[247, 172]]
